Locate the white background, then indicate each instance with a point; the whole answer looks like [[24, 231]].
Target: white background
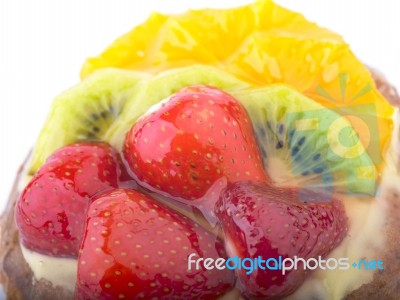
[[44, 43]]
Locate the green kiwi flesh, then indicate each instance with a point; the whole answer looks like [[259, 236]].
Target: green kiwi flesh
[[84, 112], [307, 145]]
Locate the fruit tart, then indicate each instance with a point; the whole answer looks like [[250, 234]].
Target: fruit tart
[[243, 153]]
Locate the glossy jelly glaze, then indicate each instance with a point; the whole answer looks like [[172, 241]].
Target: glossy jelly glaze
[[364, 241]]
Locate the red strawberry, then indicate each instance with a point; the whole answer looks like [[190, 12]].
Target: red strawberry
[[134, 248], [50, 212], [261, 220], [199, 136]]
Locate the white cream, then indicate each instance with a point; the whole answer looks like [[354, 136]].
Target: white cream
[[364, 239], [60, 272]]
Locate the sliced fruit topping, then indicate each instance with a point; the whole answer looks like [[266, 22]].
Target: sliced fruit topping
[[268, 222], [135, 248], [51, 210], [307, 145], [84, 112], [199, 136], [105, 105], [261, 43]]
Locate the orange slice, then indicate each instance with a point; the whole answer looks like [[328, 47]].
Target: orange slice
[[261, 43]]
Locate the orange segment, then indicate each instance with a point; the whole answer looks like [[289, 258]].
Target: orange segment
[[261, 43], [220, 32], [176, 44]]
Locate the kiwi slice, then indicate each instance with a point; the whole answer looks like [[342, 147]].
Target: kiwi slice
[[84, 112], [305, 144], [160, 87]]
